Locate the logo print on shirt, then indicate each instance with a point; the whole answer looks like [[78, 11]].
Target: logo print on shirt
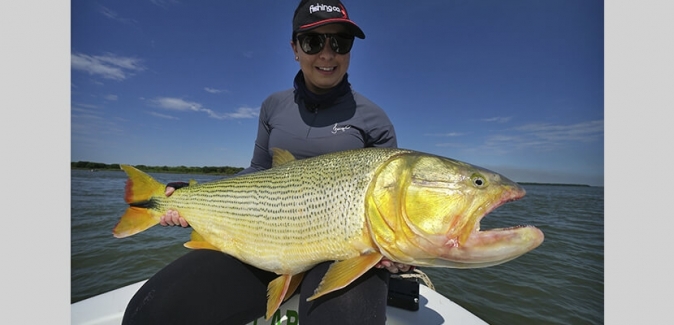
[[336, 128]]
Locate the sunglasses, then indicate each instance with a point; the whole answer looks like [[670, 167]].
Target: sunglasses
[[313, 43]]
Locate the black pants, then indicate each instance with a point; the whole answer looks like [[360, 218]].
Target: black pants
[[209, 287]]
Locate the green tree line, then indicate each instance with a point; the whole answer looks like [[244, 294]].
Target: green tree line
[[222, 170]]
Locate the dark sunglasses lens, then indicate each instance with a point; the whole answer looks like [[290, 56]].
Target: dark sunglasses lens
[[314, 43], [341, 44], [311, 43]]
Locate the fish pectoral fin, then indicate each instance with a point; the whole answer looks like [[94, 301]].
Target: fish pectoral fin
[[276, 291], [342, 273], [198, 242]]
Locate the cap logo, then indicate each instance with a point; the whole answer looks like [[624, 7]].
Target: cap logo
[[326, 8]]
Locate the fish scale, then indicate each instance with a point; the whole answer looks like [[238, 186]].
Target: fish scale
[[300, 207]]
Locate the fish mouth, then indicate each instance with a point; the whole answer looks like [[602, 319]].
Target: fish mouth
[[494, 246], [487, 247], [516, 193], [478, 213], [469, 246]]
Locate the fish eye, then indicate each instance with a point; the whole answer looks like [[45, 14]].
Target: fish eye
[[478, 180]]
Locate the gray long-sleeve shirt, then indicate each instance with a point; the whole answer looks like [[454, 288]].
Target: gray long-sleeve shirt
[[353, 121]]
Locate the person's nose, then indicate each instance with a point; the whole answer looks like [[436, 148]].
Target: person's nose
[[327, 52]]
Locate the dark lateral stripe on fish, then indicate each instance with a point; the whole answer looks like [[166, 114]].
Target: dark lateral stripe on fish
[[148, 204]]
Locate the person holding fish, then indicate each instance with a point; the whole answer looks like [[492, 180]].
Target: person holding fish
[[319, 115]]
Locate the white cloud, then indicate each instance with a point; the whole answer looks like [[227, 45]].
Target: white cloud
[[214, 91], [178, 104], [164, 116], [113, 15], [89, 122], [546, 137], [497, 119], [584, 131], [108, 66], [245, 112], [164, 3], [450, 134]]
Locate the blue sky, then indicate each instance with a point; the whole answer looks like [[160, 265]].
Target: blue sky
[[513, 86]]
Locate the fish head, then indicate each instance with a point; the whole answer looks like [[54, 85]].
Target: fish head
[[425, 210]]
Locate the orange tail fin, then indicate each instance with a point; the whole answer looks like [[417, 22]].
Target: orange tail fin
[[140, 190]]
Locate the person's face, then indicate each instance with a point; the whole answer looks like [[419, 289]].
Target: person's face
[[325, 69]]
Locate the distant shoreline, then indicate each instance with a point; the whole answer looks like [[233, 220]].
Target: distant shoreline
[[206, 170]]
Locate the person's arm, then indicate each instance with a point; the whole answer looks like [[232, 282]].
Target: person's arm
[[383, 136], [261, 158], [380, 131]]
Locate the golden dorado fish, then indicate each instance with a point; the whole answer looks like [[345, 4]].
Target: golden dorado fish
[[353, 207]]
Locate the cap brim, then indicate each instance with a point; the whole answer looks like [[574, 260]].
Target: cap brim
[[350, 26]]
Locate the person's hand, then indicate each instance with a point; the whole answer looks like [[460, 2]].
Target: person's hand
[[392, 266], [172, 218]]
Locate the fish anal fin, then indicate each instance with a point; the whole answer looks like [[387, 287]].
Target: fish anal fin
[[342, 273], [195, 236], [276, 291], [134, 221], [294, 283], [280, 157], [198, 242], [200, 245]]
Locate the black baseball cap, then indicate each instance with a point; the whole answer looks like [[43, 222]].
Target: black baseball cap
[[311, 14]]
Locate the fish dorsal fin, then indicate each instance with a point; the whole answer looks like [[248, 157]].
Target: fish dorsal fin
[[280, 157], [192, 182]]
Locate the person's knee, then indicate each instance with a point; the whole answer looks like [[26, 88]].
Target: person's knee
[[361, 302], [188, 288]]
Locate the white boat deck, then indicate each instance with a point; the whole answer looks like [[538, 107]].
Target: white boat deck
[[434, 309]]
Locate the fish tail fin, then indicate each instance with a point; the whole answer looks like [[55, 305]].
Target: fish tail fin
[[134, 221], [140, 187], [141, 192]]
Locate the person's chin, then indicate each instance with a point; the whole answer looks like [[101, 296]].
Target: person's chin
[[327, 83]]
